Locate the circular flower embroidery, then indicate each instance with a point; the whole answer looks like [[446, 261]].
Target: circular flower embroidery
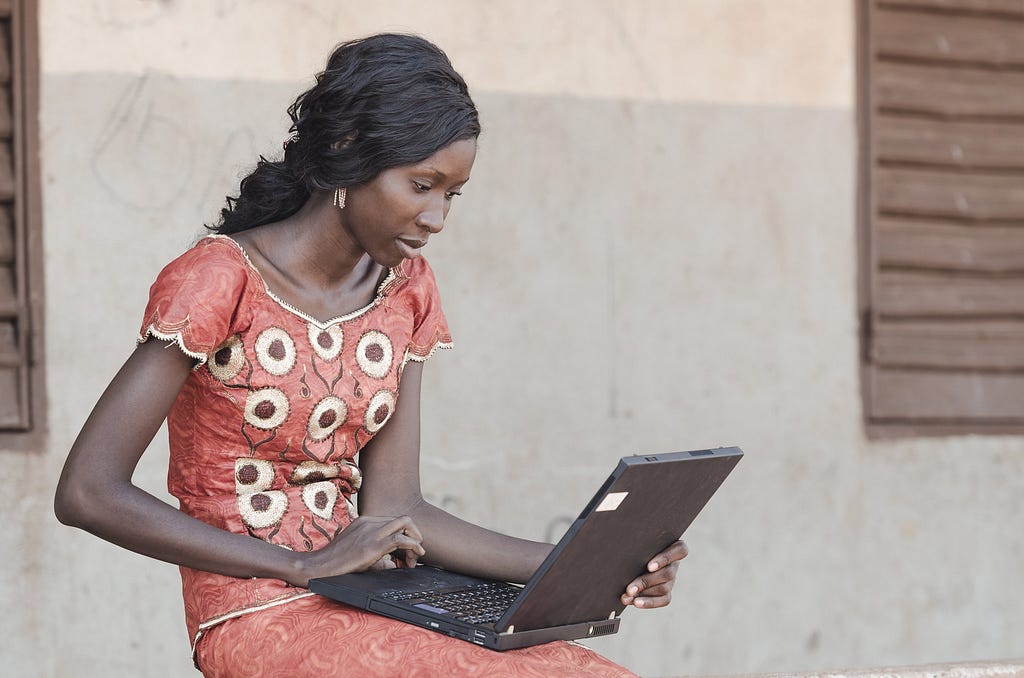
[[253, 475], [225, 361], [313, 471], [320, 498], [326, 343], [329, 414], [262, 509], [355, 476], [266, 408], [275, 351], [374, 354], [382, 405]]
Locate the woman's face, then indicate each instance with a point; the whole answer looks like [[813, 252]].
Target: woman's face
[[392, 216]]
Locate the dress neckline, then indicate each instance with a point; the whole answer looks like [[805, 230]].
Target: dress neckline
[[394, 273]]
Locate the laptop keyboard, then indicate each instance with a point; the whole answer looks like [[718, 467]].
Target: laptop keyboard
[[480, 604]]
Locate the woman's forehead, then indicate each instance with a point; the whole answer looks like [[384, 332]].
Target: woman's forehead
[[453, 162]]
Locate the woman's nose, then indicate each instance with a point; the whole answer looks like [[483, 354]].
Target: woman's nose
[[432, 218]]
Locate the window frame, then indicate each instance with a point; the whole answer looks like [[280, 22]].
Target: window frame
[[23, 19], [868, 213]]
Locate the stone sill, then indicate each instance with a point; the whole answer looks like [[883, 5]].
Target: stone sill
[[994, 669]]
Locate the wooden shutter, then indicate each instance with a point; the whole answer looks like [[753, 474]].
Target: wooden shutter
[[18, 218], [943, 249]]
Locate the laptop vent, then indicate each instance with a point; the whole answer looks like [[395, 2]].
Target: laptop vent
[[601, 629]]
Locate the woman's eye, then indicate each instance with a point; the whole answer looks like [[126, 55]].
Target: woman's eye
[[422, 188], [452, 194]]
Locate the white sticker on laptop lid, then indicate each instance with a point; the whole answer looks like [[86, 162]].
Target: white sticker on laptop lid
[[611, 501]]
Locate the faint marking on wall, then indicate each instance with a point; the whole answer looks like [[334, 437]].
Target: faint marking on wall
[[143, 157], [239, 144], [446, 502], [122, 15], [556, 527], [116, 14]]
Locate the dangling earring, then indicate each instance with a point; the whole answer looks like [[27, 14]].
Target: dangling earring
[[339, 197]]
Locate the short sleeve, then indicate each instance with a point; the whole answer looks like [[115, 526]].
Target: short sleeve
[[195, 298], [430, 329]]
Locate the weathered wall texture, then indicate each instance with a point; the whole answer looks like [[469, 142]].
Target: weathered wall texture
[[656, 252]]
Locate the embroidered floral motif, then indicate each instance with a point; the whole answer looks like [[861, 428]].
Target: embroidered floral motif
[[275, 351], [374, 354], [262, 509], [313, 471], [253, 475], [225, 361], [382, 405], [355, 477], [266, 408], [326, 342], [353, 513], [328, 415], [320, 498]]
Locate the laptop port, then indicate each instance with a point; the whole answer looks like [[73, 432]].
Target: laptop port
[[601, 629]]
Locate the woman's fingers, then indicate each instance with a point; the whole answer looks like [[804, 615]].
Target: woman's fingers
[[406, 537], [654, 588], [370, 541], [646, 595], [649, 602], [673, 554], [408, 527], [650, 585]]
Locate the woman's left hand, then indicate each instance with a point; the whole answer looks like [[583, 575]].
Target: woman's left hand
[[654, 588]]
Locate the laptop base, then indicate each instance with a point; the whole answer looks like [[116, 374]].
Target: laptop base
[[510, 640]]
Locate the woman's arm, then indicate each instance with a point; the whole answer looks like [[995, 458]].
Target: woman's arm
[[391, 486], [96, 493]]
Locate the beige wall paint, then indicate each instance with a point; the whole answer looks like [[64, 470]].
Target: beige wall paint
[[726, 51], [640, 263]]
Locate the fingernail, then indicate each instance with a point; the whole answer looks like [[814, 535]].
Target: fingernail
[[652, 566], [639, 603]]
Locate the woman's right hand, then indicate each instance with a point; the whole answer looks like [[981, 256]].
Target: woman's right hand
[[363, 544]]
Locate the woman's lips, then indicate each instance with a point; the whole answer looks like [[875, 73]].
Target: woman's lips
[[410, 247]]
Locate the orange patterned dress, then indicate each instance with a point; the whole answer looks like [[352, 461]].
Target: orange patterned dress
[[263, 439]]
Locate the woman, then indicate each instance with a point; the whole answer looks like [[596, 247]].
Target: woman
[[281, 345]]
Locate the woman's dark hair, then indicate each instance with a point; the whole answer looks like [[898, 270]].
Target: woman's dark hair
[[383, 101]]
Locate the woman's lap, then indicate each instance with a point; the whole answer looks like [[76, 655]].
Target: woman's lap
[[317, 637]]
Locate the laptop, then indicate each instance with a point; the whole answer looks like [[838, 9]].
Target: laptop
[[646, 504]]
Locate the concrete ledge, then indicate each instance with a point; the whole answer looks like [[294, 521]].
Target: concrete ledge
[[993, 669]]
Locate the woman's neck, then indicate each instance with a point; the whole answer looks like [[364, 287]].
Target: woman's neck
[[312, 248], [311, 261]]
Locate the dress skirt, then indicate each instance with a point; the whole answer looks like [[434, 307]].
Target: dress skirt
[[318, 637]]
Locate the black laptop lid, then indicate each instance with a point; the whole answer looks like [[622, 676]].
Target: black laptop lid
[[644, 506]]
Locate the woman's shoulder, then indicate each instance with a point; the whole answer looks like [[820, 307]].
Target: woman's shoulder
[[411, 284], [210, 249], [418, 273], [198, 297], [211, 263]]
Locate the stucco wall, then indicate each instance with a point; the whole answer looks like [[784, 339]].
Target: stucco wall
[[656, 252]]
